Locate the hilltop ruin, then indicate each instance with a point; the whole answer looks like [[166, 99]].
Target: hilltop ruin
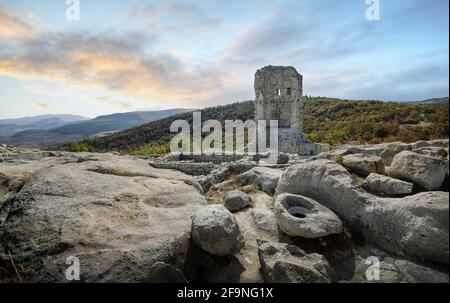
[[278, 96]]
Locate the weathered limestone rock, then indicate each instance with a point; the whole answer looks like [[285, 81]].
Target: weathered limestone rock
[[387, 185], [426, 171], [264, 219], [332, 154], [416, 225], [434, 143], [444, 143], [392, 149], [165, 273], [322, 180], [216, 231], [299, 216], [397, 225], [257, 222], [264, 177], [236, 200], [367, 149], [222, 185], [118, 215], [364, 165], [283, 263], [437, 152], [398, 270]]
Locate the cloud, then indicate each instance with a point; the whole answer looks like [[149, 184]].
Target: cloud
[[41, 105], [180, 55], [350, 58], [12, 27], [115, 63], [113, 103]]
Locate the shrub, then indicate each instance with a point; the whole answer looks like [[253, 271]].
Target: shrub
[[149, 149], [77, 147]]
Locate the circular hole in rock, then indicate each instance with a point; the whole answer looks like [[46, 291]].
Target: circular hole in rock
[[299, 212]]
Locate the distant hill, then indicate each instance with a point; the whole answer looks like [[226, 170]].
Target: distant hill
[[115, 122], [9, 127], [434, 101], [326, 120], [46, 131], [42, 118]]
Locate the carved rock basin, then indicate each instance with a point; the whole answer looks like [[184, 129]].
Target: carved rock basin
[[300, 216]]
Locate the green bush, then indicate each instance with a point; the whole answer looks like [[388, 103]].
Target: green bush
[[77, 147], [150, 150]]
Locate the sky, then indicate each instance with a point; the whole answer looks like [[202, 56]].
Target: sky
[[133, 55]]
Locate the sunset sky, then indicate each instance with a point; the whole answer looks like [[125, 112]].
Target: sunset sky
[[147, 55]]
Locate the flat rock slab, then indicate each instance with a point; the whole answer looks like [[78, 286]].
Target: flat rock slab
[[116, 214]]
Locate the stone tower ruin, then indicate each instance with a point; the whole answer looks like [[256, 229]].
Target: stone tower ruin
[[279, 91], [278, 96]]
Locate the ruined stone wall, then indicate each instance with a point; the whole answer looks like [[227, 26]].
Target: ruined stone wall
[[293, 142], [215, 158]]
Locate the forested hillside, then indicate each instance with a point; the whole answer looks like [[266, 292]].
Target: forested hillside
[[326, 120]]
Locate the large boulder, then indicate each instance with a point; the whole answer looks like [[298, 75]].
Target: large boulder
[[392, 149], [425, 171], [328, 183], [117, 215], [264, 177], [236, 200], [387, 185], [414, 225], [397, 225], [363, 165], [283, 263], [215, 230], [299, 216]]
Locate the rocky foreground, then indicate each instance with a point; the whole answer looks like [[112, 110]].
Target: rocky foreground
[[163, 219]]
